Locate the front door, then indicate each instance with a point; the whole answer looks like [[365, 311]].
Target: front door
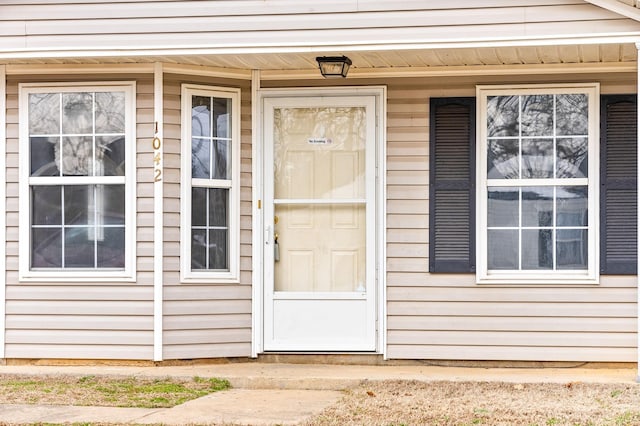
[[319, 219]]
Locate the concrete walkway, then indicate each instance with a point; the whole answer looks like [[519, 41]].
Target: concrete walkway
[[269, 394]]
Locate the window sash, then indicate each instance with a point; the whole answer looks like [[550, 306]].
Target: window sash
[[536, 276], [210, 133], [94, 230]]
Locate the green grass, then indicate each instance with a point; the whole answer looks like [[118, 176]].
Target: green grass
[[140, 392]]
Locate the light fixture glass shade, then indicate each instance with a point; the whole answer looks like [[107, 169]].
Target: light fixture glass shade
[[333, 66]]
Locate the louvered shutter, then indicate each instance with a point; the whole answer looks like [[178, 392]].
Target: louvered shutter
[[452, 185], [618, 180]]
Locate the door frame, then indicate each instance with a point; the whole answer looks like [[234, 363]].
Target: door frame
[[258, 238]]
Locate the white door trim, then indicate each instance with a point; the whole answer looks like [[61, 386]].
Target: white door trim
[[258, 238]]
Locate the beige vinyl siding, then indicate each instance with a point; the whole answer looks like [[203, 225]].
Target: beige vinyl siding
[[204, 320], [177, 24], [83, 320], [446, 316]]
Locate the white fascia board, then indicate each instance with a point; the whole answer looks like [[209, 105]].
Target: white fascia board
[[315, 47]]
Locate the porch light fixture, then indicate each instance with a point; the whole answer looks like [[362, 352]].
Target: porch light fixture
[[333, 66]]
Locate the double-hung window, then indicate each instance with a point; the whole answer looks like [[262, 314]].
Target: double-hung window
[[210, 196], [537, 184], [77, 197]]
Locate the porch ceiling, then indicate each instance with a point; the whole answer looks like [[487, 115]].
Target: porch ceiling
[[401, 59]]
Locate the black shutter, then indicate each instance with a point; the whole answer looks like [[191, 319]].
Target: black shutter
[[618, 184], [452, 185]]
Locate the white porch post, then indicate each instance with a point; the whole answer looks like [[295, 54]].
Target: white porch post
[[158, 223], [256, 170], [3, 205]]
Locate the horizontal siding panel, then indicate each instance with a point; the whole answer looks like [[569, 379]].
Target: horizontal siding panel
[[206, 322], [407, 221], [207, 351], [247, 20], [514, 338], [79, 337], [407, 236], [125, 352], [85, 322], [407, 177], [419, 162], [203, 336], [510, 353], [407, 250], [490, 323], [497, 294], [207, 307], [206, 292], [238, 39], [79, 307], [471, 309], [122, 292]]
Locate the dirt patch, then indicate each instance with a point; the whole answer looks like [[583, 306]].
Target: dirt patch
[[396, 403]]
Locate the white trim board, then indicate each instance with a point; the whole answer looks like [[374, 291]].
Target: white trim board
[[380, 165], [3, 206], [158, 210]]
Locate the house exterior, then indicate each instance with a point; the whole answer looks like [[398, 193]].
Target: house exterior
[[181, 182]]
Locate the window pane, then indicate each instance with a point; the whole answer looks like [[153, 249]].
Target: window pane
[[198, 249], [218, 249], [537, 115], [572, 205], [200, 116], [110, 204], [222, 117], [77, 156], [221, 167], [77, 113], [45, 205], [572, 114], [537, 206], [218, 205], [77, 204], [44, 114], [111, 248], [79, 248], [200, 158], [46, 246], [502, 116], [198, 207], [110, 109], [537, 249], [502, 249], [502, 159], [572, 249], [537, 158], [503, 206], [110, 156], [572, 158], [45, 155]]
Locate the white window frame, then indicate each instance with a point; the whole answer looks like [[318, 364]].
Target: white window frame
[[126, 274], [591, 274], [187, 275]]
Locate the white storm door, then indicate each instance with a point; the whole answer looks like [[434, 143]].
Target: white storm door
[[319, 219]]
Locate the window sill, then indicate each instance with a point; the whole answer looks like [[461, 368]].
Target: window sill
[[538, 279], [78, 277], [208, 278]]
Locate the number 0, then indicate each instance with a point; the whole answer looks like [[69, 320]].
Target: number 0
[[156, 143]]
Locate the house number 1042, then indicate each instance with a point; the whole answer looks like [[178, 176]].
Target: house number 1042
[[157, 159]]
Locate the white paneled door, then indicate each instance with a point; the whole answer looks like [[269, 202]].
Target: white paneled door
[[319, 223]]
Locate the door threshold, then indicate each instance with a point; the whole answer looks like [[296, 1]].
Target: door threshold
[[343, 358]]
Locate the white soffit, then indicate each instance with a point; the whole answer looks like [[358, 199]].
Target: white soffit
[[397, 60]]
